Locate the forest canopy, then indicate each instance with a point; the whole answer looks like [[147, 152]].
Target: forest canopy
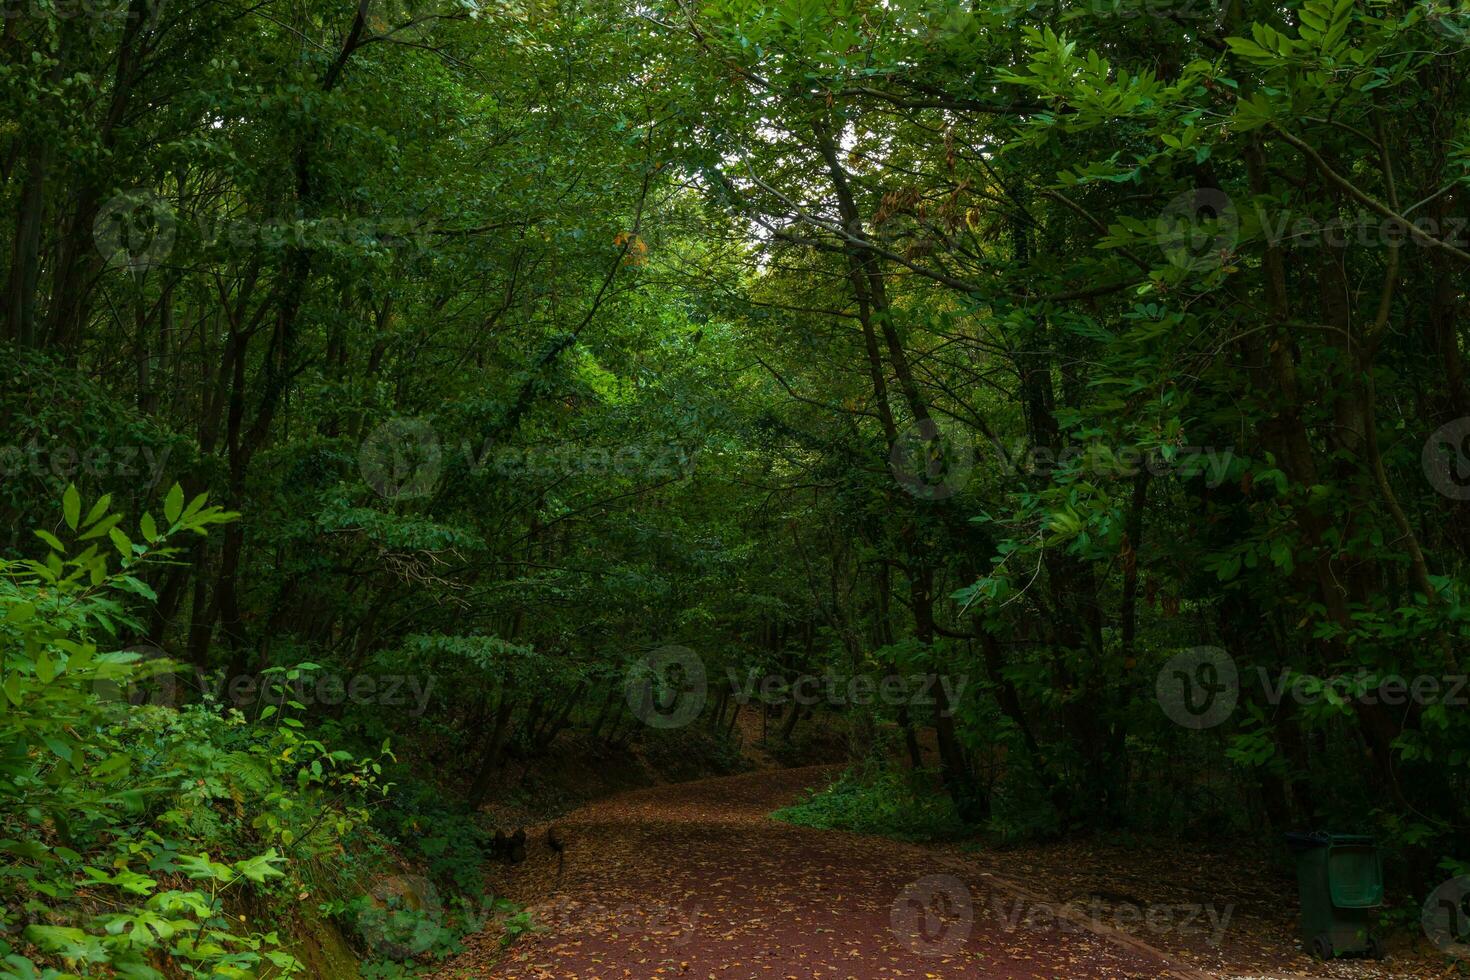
[[387, 390]]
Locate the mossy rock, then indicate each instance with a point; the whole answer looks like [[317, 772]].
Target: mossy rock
[[323, 950]]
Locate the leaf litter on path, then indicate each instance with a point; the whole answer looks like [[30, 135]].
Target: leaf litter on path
[[694, 880]]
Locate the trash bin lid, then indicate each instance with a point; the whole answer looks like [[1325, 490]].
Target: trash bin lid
[[1306, 840]]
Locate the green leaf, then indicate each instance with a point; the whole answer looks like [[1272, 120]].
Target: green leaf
[[201, 866], [121, 542], [21, 612], [68, 942], [261, 867], [104, 527], [62, 749], [173, 504], [195, 504], [51, 541], [71, 506], [98, 509]]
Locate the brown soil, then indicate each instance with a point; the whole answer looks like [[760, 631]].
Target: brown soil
[[1253, 895], [695, 880]]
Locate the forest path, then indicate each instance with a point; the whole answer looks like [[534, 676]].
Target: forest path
[[693, 880]]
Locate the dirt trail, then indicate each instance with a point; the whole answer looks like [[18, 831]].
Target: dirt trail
[[693, 880]]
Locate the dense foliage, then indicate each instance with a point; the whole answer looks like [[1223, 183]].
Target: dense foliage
[[1081, 355]]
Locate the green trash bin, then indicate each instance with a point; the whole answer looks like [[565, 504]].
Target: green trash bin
[[1340, 877]]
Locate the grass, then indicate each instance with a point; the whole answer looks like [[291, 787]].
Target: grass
[[882, 801]]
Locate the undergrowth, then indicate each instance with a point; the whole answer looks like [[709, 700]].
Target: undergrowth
[[145, 825], [879, 800]]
